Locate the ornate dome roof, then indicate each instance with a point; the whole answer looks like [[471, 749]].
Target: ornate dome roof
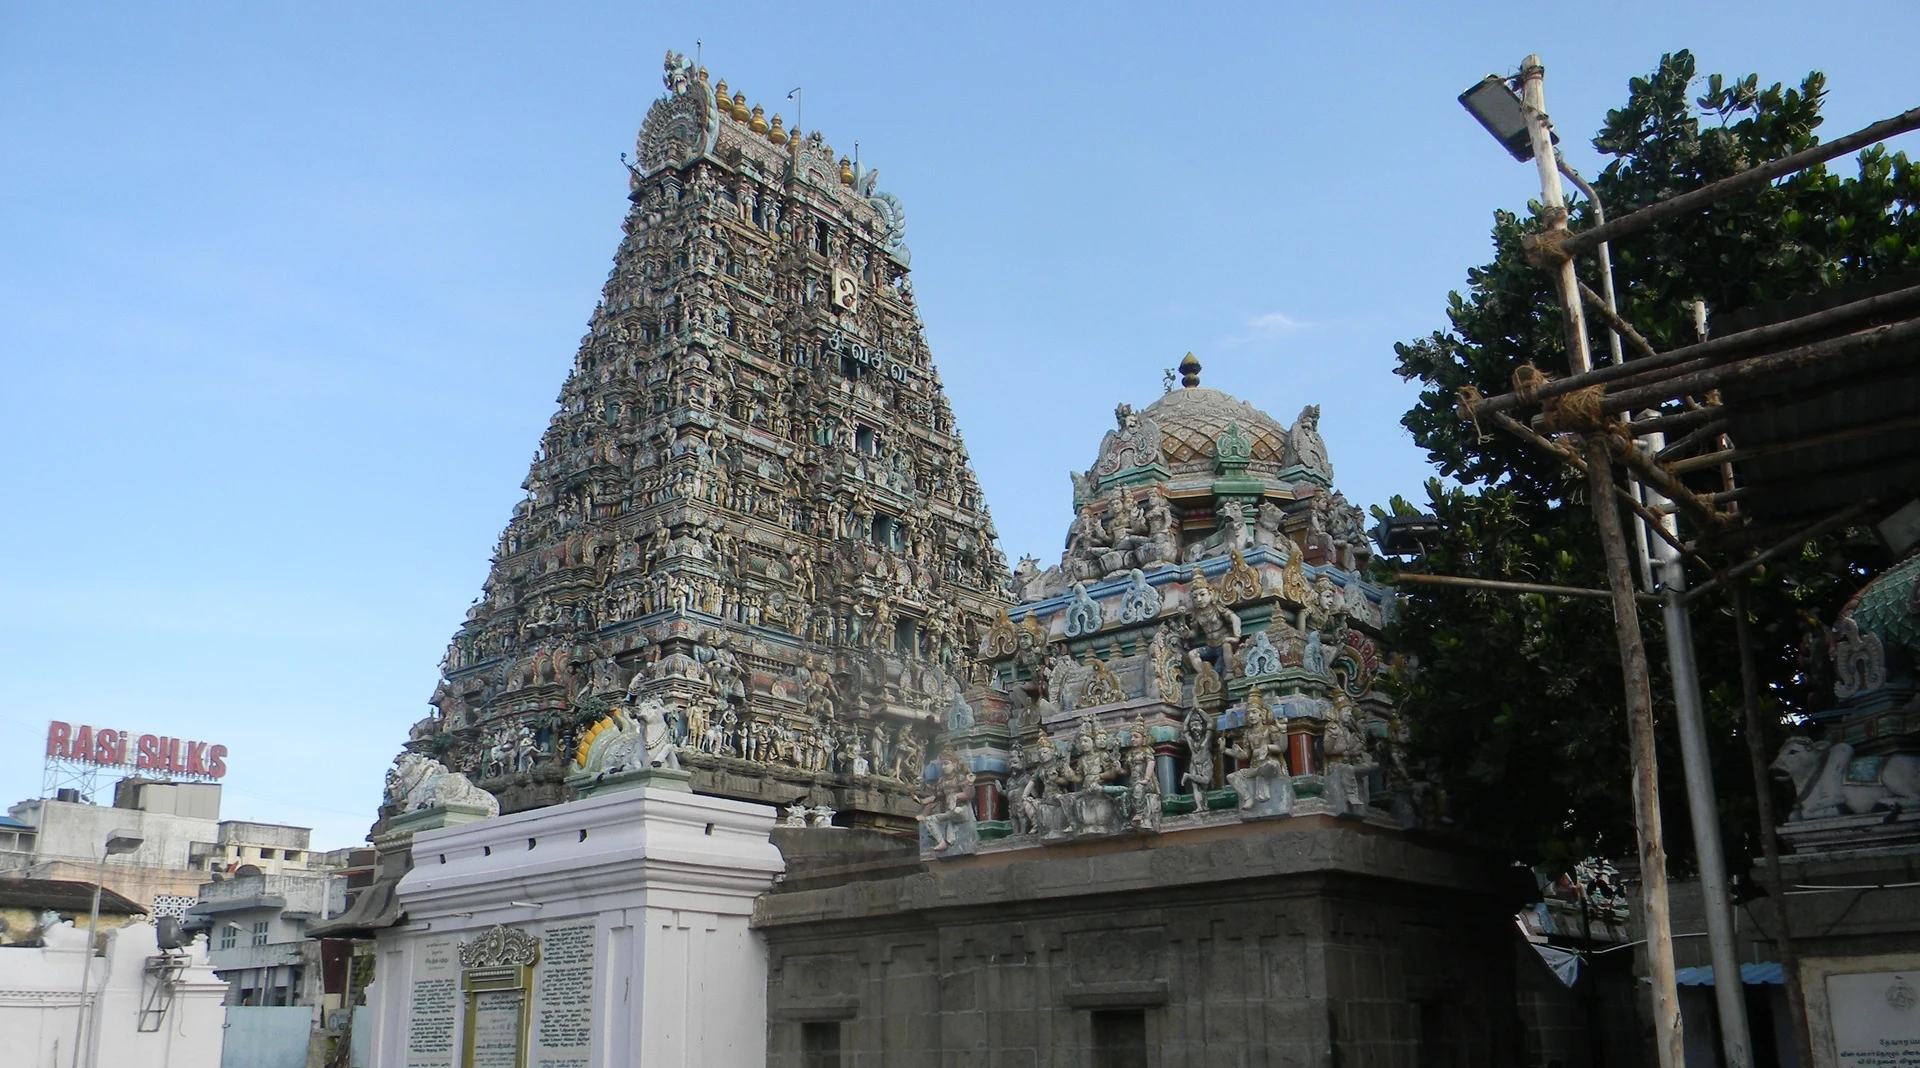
[[1192, 418]]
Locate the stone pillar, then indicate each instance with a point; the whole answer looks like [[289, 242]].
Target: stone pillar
[[584, 931], [1165, 767]]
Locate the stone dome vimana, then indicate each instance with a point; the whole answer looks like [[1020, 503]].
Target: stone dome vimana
[[752, 503]]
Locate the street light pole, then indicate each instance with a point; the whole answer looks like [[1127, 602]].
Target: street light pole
[[1668, 1041], [117, 842]]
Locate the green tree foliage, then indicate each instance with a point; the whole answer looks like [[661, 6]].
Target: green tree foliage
[[1516, 700]]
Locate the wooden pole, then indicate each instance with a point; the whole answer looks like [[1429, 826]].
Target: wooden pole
[[1503, 585], [1553, 202], [1646, 779], [1769, 835], [1716, 348]]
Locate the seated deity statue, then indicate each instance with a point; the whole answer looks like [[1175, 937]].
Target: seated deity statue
[[1260, 784]]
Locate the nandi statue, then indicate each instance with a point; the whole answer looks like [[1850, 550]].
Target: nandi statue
[[629, 741], [416, 783], [1829, 781]]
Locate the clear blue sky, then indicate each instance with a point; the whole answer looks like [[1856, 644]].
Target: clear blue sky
[[287, 291]]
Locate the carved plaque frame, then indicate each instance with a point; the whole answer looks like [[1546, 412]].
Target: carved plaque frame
[[499, 960]]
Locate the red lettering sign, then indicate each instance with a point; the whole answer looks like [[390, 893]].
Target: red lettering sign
[[111, 747]]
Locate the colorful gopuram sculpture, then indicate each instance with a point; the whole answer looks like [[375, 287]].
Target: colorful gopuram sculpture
[[1205, 650], [1856, 771], [752, 515]]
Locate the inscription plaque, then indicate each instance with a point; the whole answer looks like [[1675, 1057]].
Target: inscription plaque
[[434, 1008], [563, 997], [497, 1032], [1876, 1019]]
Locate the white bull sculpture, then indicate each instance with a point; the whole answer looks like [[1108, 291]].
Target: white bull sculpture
[[1823, 789]]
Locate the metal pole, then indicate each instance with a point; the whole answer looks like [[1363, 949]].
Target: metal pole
[[1605, 256], [1668, 1040], [1729, 992], [86, 959], [1553, 202]]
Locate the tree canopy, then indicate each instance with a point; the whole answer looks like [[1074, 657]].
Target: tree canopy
[[1516, 700]]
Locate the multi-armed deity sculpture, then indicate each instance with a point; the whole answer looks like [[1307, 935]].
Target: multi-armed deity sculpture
[[752, 513], [1204, 651]]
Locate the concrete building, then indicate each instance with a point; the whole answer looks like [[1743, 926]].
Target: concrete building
[[257, 935], [183, 842]]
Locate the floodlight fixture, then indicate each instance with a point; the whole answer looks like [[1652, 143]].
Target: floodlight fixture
[[1406, 535], [1497, 107]]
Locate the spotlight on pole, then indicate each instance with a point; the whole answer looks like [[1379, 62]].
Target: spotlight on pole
[[1494, 103]]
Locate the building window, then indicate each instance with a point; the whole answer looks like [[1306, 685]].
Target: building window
[[228, 936], [865, 440], [1120, 1038], [820, 237], [820, 1044], [259, 932]]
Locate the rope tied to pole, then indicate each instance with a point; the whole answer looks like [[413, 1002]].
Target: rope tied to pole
[[1527, 380], [1470, 398], [1580, 411], [1544, 250]]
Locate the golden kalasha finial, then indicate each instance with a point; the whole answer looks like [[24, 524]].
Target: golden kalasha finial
[[776, 133], [1189, 371], [703, 74], [758, 123], [720, 94], [739, 107], [846, 171]]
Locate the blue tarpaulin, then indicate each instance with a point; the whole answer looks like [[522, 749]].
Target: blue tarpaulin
[[1766, 972]]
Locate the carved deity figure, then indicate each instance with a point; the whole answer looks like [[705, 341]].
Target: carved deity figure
[[1350, 762], [947, 808], [1163, 662], [1216, 625], [1092, 768], [1197, 730], [1304, 446], [1261, 751], [1143, 778]]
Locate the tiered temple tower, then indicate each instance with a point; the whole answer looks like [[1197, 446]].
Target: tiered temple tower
[[753, 502]]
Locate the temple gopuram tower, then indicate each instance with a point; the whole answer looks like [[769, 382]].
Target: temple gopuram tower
[[752, 504]]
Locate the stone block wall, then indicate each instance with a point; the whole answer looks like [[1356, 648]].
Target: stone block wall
[[1252, 945]]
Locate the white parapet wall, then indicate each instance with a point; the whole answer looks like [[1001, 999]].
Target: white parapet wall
[[606, 931], [124, 1025]]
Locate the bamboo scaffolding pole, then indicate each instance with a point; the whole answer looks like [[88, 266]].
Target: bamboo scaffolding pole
[[1752, 178], [1698, 382], [1769, 832], [1646, 779], [1721, 346], [1508, 586], [1695, 463]]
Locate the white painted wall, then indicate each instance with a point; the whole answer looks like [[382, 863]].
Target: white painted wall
[[668, 880], [40, 995]]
